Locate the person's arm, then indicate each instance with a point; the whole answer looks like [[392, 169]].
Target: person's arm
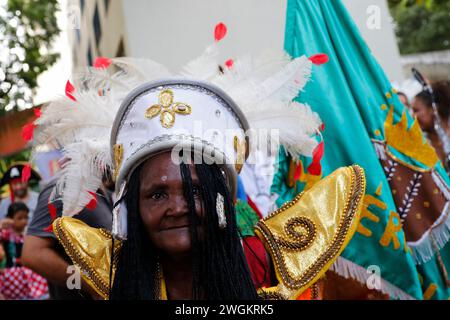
[[2, 249], [2, 252], [5, 223], [40, 251], [40, 255]]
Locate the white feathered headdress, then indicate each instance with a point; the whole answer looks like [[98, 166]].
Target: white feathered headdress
[[94, 117]]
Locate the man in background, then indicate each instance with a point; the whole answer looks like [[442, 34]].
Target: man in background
[[18, 190]]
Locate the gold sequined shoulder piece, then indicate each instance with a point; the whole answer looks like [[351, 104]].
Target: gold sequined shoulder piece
[[306, 235], [89, 249]]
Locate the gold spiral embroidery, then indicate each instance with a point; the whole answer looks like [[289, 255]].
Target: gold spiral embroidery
[[297, 241]]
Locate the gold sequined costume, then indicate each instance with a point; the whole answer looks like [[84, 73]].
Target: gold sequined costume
[[303, 237]]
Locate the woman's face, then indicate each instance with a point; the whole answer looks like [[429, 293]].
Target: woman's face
[[162, 205], [424, 114]]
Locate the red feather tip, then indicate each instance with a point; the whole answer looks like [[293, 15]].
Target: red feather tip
[[319, 59], [93, 203], [220, 31], [102, 63], [52, 210], [322, 127], [319, 151], [315, 167], [28, 131], [298, 171], [37, 112], [229, 63], [26, 173], [70, 89]]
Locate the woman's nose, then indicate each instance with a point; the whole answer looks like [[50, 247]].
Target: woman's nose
[[179, 206]]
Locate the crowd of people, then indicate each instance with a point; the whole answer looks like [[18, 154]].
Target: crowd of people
[[16, 281]]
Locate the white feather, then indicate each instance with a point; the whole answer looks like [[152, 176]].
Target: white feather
[[295, 124], [129, 74], [205, 66], [284, 85], [82, 129], [143, 69], [264, 88], [83, 173]]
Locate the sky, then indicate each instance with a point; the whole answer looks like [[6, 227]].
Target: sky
[[52, 82]]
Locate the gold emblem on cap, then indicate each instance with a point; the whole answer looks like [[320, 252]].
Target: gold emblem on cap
[[240, 148], [166, 109], [118, 156]]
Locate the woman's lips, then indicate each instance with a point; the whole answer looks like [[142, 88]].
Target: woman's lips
[[175, 227]]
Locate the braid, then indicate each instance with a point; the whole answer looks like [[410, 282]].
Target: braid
[[220, 269], [136, 268], [224, 270]]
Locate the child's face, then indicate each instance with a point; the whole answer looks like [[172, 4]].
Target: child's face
[[20, 220]]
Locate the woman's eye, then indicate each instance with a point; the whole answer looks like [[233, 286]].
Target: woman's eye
[[157, 195], [196, 191]]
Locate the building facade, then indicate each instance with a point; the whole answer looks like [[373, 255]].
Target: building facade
[[174, 31]]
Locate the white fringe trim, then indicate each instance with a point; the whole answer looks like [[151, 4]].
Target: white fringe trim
[[379, 149], [348, 269], [441, 184], [423, 249]]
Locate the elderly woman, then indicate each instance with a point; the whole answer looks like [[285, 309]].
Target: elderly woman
[[176, 147]]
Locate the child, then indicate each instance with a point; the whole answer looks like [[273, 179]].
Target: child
[[16, 281]]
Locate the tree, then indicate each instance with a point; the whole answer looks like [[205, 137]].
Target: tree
[[421, 25], [6, 162], [27, 31]]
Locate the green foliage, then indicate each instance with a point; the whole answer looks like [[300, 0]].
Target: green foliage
[[422, 25], [5, 163], [27, 30], [22, 156]]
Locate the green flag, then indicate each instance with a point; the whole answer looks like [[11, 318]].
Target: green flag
[[404, 221]]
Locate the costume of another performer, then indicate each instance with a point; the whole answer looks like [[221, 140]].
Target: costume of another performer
[[176, 146], [256, 178]]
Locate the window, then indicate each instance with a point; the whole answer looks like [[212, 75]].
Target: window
[[82, 5], [89, 56], [121, 49], [106, 2], [97, 26]]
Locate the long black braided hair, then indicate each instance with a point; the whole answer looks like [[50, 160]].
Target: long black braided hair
[[220, 270]]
